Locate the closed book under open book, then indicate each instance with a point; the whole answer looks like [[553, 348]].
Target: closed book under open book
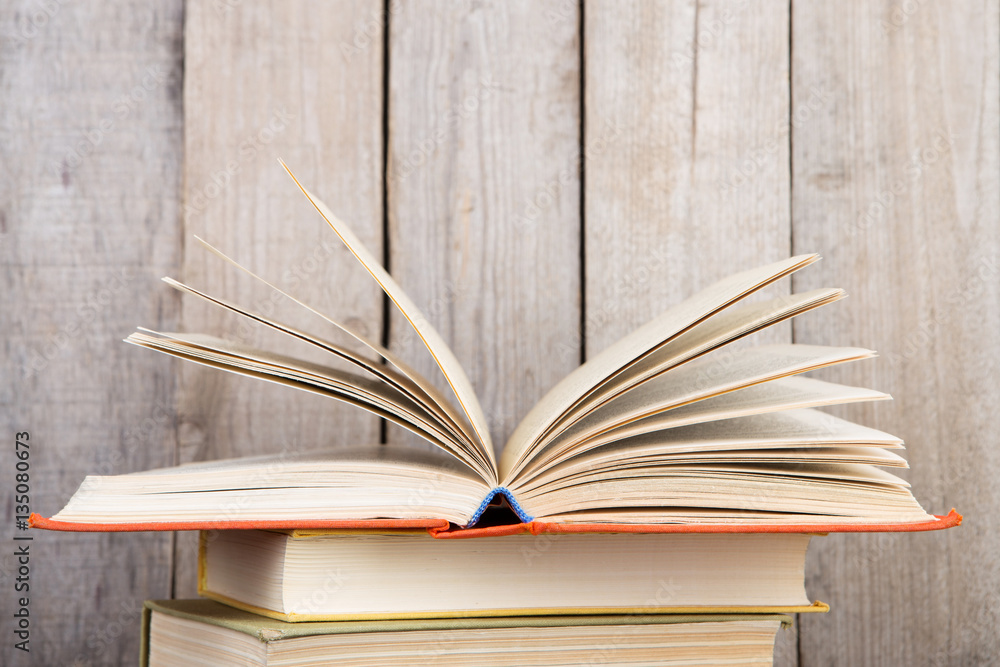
[[179, 633], [665, 431], [338, 575]]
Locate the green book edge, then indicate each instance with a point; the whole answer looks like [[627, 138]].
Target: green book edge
[[268, 629]]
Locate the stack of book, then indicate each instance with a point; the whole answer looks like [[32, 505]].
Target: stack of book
[[654, 507], [403, 597]]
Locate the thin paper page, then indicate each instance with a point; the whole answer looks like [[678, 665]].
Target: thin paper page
[[326, 484], [227, 350], [360, 390], [727, 326], [711, 376], [611, 462], [697, 380], [791, 429], [783, 394], [801, 426], [836, 471], [406, 369], [825, 498], [443, 356], [681, 317], [399, 381], [346, 397]]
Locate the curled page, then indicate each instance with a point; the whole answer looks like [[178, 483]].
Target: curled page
[[398, 380], [568, 393], [372, 395], [788, 393], [442, 354], [730, 325], [442, 406]]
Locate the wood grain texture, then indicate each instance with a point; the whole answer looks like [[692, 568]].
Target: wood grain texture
[[301, 81], [694, 183], [716, 136], [90, 135], [897, 183], [483, 197], [686, 176]]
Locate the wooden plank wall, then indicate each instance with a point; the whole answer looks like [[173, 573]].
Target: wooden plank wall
[[677, 95], [483, 194], [542, 177], [90, 176], [250, 99], [896, 180]]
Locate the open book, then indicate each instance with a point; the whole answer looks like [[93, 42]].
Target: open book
[[663, 428]]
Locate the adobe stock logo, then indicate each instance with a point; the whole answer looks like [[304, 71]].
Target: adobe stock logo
[[248, 150], [124, 106], [31, 23]]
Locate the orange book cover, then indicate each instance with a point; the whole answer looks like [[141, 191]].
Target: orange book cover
[[443, 530]]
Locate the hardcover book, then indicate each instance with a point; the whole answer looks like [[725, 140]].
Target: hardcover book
[[664, 431], [179, 633], [338, 575]]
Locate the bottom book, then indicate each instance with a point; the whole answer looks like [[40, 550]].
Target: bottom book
[[203, 632]]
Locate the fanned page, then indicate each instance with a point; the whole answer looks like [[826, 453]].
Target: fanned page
[[406, 380], [576, 386], [688, 385], [791, 436], [796, 466], [782, 394], [667, 426], [443, 356], [458, 440], [376, 397], [726, 327]]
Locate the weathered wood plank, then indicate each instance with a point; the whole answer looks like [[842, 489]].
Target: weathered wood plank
[[693, 183], [640, 79], [897, 182], [483, 197], [686, 176], [686, 149], [89, 219], [303, 81]]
